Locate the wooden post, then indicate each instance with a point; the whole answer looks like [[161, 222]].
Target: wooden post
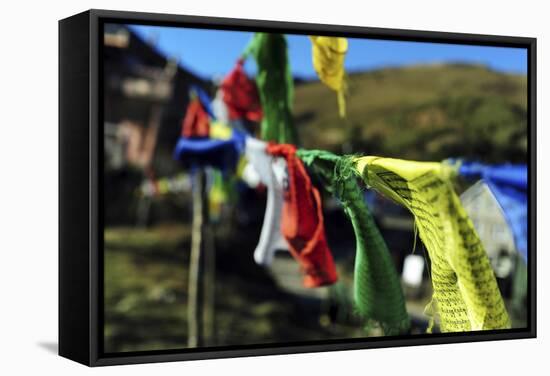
[[194, 316], [209, 281]]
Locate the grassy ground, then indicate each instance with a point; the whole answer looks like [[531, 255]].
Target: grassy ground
[[146, 273]]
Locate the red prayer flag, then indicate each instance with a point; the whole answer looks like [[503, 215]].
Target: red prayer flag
[[195, 123], [240, 95], [302, 222]]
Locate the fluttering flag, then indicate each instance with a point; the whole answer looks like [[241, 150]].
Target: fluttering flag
[[241, 95], [465, 289], [195, 123], [275, 86], [328, 55], [377, 289], [302, 221], [508, 183], [223, 154], [261, 165]]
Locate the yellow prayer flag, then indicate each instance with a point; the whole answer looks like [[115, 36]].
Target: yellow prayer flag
[[328, 60], [465, 288]]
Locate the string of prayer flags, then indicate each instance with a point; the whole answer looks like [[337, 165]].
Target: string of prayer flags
[[508, 183], [302, 221], [164, 186], [275, 86], [465, 288], [271, 238], [204, 144], [328, 55], [195, 123], [377, 289], [240, 95]]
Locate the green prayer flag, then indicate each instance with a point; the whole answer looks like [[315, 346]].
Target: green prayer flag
[[275, 86], [377, 289]]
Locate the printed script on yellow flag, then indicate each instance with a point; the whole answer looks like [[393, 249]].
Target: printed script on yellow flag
[[465, 289]]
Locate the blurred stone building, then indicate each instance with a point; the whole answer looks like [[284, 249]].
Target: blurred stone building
[[145, 96]]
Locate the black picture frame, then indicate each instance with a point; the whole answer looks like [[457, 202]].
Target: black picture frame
[[81, 186]]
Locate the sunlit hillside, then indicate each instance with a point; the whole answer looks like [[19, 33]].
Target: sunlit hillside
[[425, 112]]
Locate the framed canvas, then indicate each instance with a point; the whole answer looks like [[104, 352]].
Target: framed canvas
[[232, 187]]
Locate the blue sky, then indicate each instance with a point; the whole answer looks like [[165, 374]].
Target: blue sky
[[211, 53]]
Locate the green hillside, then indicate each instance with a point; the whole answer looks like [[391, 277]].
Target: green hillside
[[425, 112]]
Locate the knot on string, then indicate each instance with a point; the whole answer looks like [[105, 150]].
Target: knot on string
[[344, 176]]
